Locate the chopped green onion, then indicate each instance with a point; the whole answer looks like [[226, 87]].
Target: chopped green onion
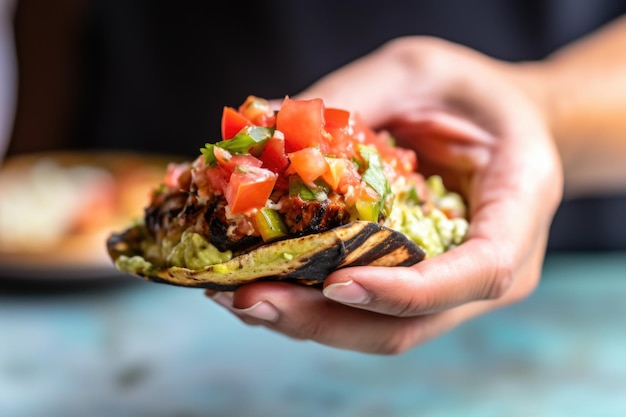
[[299, 188], [270, 224], [368, 210]]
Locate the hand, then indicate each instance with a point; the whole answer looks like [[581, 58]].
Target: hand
[[470, 124]]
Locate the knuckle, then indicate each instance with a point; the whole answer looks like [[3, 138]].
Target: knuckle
[[502, 274], [511, 279], [406, 335], [315, 330], [405, 306], [501, 281], [418, 52], [411, 300]]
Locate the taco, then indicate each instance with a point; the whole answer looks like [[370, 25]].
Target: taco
[[289, 195]]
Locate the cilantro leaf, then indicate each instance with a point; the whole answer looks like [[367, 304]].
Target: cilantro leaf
[[250, 140], [374, 175]]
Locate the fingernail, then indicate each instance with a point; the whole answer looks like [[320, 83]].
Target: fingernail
[[262, 310], [348, 292]]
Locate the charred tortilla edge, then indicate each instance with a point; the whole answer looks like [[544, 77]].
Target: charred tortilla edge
[[306, 260]]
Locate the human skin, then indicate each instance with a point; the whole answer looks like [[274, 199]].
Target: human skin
[[497, 133], [581, 90]]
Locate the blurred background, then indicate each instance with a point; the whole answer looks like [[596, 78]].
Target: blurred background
[[152, 76]]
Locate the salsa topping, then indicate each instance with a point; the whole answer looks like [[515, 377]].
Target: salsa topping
[[303, 169]]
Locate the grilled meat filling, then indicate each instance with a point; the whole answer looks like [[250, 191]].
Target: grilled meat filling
[[173, 211], [305, 217], [160, 215], [223, 233]]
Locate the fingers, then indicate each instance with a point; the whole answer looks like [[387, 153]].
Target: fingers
[[433, 285], [304, 313], [382, 310]]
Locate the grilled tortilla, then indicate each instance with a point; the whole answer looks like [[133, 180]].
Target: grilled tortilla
[[305, 260]]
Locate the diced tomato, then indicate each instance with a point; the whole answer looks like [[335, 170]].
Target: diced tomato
[[178, 175], [243, 161], [403, 160], [258, 111], [233, 122], [362, 194], [341, 173], [282, 184], [310, 142], [249, 188], [364, 134], [341, 142], [210, 180], [302, 122], [227, 164], [336, 118], [273, 156], [308, 163], [230, 162]]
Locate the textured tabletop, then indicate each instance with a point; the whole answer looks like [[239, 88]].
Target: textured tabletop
[[144, 349]]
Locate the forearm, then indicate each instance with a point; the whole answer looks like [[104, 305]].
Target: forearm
[[582, 91]]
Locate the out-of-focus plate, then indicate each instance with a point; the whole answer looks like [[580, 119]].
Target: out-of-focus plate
[[57, 210]]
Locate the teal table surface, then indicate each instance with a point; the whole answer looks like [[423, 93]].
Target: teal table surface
[[143, 349]]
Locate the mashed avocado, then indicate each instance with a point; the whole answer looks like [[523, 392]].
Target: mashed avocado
[[433, 231], [194, 252], [133, 264], [191, 251]]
